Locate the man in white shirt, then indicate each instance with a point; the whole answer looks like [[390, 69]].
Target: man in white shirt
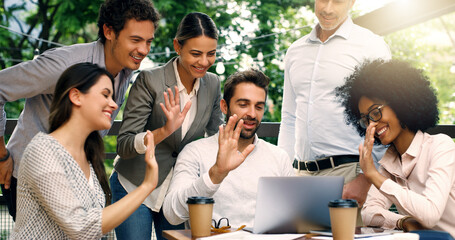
[[228, 165], [313, 130]]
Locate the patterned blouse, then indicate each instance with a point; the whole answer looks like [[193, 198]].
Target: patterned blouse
[[54, 199]]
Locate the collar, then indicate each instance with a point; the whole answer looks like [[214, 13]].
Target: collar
[[180, 85], [414, 148], [343, 31], [391, 160], [99, 54], [255, 140]]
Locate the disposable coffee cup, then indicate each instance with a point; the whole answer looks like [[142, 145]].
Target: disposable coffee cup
[[343, 217], [200, 209]]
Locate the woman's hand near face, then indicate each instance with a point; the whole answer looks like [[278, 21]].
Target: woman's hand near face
[[366, 157], [366, 149]]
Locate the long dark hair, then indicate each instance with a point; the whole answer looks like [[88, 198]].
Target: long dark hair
[[194, 25], [81, 76]]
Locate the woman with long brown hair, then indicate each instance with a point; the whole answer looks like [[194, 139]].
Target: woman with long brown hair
[[63, 186]]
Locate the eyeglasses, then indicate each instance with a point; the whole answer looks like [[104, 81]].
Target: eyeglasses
[[219, 223], [216, 227], [374, 115]]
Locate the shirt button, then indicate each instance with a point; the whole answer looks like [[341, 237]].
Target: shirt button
[[174, 154]]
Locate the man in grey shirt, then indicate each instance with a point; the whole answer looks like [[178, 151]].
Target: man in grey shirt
[[126, 30]]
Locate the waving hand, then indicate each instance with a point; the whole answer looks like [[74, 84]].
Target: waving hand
[[229, 157], [171, 109]]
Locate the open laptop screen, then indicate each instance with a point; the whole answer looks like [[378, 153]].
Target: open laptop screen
[[284, 204]]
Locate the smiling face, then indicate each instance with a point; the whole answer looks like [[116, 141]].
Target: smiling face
[[388, 128], [97, 104], [129, 47], [197, 55], [332, 13], [248, 102]]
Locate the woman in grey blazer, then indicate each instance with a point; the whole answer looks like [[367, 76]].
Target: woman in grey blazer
[[188, 112]]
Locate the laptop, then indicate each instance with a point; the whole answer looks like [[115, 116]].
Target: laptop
[[295, 204]]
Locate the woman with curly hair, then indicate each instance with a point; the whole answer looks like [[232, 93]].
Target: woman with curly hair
[[392, 103]]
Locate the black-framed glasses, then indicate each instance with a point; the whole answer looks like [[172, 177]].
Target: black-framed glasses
[[219, 223], [374, 115]]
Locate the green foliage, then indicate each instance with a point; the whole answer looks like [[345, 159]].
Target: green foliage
[[268, 15], [64, 22], [13, 109], [238, 21], [110, 143], [428, 47]]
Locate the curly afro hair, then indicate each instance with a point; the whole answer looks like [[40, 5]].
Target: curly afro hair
[[115, 13], [405, 89]]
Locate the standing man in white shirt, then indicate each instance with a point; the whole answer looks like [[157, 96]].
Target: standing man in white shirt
[[313, 129]]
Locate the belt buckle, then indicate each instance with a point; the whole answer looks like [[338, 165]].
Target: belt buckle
[[306, 166]]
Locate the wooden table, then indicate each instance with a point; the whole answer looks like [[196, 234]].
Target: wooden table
[[180, 234], [186, 235]]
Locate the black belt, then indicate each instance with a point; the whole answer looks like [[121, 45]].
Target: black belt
[[324, 163]]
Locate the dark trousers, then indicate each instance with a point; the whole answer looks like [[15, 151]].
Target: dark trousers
[[139, 224], [10, 196]]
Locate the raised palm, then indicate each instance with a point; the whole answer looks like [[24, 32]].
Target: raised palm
[[171, 109], [365, 150], [229, 157], [151, 171]]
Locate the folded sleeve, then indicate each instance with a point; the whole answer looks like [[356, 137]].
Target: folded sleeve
[[376, 212], [427, 206], [187, 181], [286, 136], [31, 78]]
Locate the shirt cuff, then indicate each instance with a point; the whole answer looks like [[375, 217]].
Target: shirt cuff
[[388, 187], [208, 182], [2, 122], [139, 143]]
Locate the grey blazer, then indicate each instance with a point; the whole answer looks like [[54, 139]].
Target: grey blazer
[[143, 112]]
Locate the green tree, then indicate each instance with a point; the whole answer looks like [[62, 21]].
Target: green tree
[[430, 46], [64, 22], [270, 18], [248, 29]]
